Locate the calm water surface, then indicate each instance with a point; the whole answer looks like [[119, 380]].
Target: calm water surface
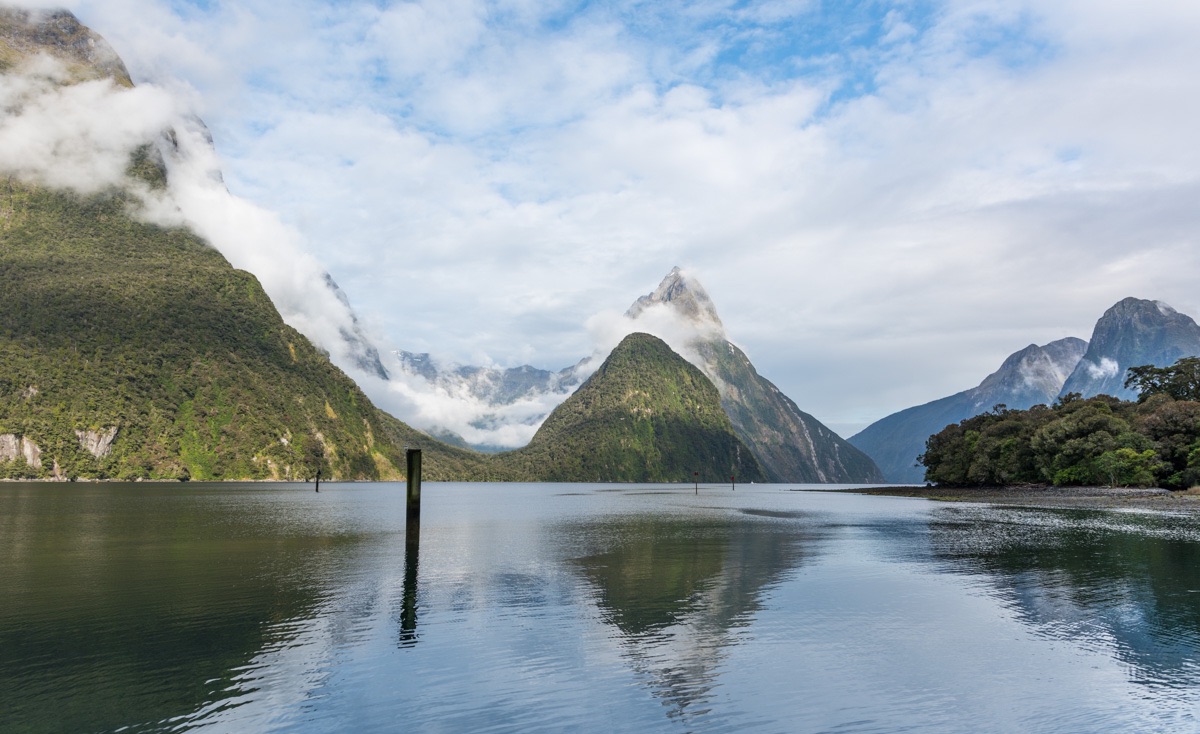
[[524, 608]]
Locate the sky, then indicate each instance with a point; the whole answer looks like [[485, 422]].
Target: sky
[[883, 199]]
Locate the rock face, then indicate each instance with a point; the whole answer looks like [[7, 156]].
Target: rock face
[[791, 445], [59, 33], [1028, 377], [646, 415], [360, 350], [97, 443], [1133, 332], [13, 447]]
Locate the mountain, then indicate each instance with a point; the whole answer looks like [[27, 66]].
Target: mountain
[[359, 350], [646, 415], [133, 350], [1132, 333], [791, 445], [499, 408], [24, 33], [1028, 377]]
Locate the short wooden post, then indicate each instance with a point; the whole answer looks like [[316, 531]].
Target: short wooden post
[[733, 482], [696, 479], [318, 487], [413, 459]]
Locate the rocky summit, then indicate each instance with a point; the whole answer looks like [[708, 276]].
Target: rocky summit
[[1132, 333], [791, 445]]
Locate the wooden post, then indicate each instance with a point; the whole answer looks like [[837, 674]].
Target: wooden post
[[696, 479], [413, 458], [733, 482], [318, 487]]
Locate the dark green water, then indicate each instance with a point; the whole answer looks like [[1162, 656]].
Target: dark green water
[[516, 608]]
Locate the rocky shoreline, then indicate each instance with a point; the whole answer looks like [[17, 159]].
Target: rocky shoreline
[[1094, 498]]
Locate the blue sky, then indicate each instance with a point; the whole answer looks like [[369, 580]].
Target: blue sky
[[884, 199]]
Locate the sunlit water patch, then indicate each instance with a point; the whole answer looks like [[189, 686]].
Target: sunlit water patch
[[255, 608]]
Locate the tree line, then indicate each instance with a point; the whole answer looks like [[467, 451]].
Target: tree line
[[1103, 440]]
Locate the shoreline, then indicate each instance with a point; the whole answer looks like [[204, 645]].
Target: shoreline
[[1049, 497]]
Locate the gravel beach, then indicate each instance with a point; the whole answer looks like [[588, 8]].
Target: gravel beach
[[1097, 498]]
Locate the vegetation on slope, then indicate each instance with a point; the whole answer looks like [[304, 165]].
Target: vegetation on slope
[[108, 323], [645, 415], [1101, 440]]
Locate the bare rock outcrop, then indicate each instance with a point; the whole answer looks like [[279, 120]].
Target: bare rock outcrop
[[97, 443], [13, 447]]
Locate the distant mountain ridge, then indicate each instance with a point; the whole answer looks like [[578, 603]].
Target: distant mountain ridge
[[1027, 377], [492, 385]]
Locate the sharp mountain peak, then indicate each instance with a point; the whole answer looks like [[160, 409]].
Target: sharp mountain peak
[[684, 294]]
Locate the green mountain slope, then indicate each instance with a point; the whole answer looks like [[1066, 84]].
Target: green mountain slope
[[645, 415], [129, 350]]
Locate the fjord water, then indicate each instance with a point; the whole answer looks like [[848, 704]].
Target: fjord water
[[255, 608]]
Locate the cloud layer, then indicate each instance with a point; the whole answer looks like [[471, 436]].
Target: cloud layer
[[884, 200]]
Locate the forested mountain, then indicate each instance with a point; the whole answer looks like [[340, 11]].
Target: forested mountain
[[130, 350], [645, 415], [134, 350]]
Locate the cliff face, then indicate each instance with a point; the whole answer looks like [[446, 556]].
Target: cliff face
[[1132, 333]]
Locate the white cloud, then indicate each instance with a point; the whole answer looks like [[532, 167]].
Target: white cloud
[[1105, 369], [77, 137]]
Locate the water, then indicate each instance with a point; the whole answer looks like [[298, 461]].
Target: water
[[530, 608]]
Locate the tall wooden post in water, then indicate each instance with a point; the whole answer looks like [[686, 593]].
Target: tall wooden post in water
[[413, 458]]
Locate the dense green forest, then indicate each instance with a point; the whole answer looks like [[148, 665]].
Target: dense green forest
[[645, 415], [129, 350], [1098, 441]]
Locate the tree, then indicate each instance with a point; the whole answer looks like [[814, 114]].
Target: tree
[[1125, 467], [1181, 380]]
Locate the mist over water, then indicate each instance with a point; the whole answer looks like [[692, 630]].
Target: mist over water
[[549, 607]]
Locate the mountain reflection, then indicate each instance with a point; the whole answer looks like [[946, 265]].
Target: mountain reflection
[[125, 609], [678, 590], [1130, 583]]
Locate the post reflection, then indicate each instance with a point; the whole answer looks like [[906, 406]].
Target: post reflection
[[677, 591], [408, 605]]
